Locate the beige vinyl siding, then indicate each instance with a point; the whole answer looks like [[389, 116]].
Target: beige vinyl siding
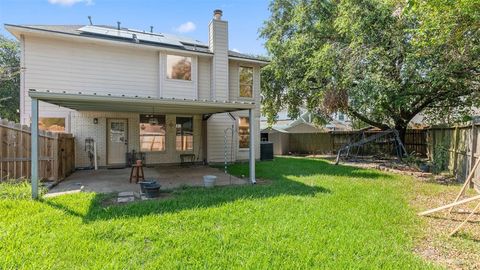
[[60, 65], [234, 80], [219, 45], [216, 126], [204, 77], [170, 88], [219, 122], [83, 127], [280, 142], [82, 66]]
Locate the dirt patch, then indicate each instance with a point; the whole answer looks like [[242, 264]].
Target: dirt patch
[[263, 182], [461, 251], [395, 166]]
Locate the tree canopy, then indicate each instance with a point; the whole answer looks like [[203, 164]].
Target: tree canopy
[[9, 79], [380, 61]]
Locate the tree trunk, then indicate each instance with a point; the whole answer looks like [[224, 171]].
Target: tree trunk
[[402, 131], [401, 128]]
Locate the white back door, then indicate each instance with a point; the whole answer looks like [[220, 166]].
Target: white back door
[[116, 141]]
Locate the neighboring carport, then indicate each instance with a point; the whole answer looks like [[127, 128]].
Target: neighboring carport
[[111, 103]]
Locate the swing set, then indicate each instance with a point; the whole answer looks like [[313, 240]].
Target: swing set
[[458, 201]]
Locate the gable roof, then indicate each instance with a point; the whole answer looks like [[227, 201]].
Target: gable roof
[[186, 43]]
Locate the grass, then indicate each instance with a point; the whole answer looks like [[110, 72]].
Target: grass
[[310, 215]]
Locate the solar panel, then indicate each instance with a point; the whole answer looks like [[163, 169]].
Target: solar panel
[[187, 40], [127, 34], [181, 39]]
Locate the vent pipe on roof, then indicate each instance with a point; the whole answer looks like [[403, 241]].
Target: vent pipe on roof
[[135, 38], [151, 28], [90, 20], [118, 25]]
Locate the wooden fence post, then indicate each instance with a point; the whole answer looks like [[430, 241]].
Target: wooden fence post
[[455, 149], [473, 148]]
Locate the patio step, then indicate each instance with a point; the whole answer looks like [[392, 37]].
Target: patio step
[[126, 196]]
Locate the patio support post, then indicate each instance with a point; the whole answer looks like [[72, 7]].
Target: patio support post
[[34, 149], [251, 147]]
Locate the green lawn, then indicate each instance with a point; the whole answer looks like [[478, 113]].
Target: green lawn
[[310, 214]]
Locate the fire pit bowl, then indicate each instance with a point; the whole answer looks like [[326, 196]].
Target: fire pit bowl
[[143, 184], [152, 190]]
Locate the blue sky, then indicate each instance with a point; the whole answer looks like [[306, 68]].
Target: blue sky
[[185, 17]]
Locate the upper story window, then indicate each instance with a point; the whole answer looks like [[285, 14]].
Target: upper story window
[[152, 132], [246, 82], [52, 124], [179, 67]]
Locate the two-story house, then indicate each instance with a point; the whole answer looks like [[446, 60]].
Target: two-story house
[[156, 93]]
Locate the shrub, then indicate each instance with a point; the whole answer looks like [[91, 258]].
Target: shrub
[[440, 157]]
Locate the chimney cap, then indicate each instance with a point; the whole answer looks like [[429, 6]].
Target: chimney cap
[[217, 14]]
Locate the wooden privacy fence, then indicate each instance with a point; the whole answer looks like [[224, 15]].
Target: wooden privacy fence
[[455, 149], [330, 142], [56, 153]]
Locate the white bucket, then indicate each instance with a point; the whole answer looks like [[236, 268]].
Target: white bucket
[[209, 180]]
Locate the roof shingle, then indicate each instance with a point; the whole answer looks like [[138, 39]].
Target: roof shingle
[[186, 41]]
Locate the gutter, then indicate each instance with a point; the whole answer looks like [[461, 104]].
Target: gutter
[[46, 96], [261, 62]]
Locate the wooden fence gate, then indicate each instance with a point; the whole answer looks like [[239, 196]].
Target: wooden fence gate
[[56, 153]]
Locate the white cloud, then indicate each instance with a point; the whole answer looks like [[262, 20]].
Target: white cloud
[[235, 50], [69, 2], [186, 27]]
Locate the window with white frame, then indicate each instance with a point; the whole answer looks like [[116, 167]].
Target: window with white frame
[[246, 82], [184, 130], [243, 133], [179, 67], [152, 132]]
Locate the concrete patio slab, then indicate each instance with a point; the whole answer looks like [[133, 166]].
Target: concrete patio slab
[[117, 180]]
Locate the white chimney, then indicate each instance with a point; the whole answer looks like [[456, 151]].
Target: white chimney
[[218, 45]]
